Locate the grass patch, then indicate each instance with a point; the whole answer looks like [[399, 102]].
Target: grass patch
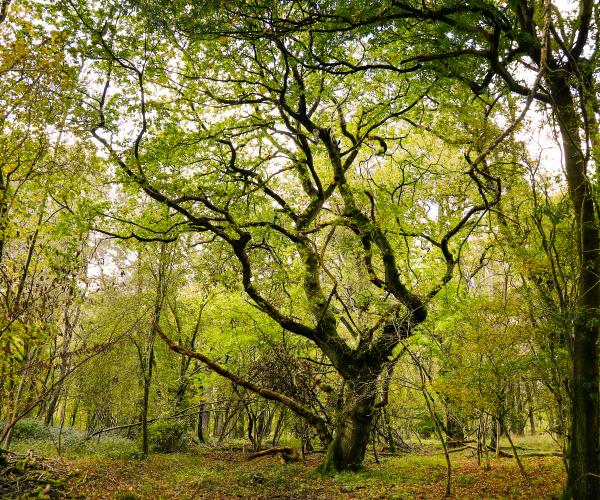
[[542, 442], [464, 480]]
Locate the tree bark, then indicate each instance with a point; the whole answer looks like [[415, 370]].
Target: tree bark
[[351, 437], [582, 482], [530, 415], [145, 403], [200, 424]]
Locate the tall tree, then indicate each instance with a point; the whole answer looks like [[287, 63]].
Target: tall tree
[[306, 179], [526, 48]]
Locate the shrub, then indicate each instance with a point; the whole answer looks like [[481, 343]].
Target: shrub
[[166, 436], [29, 428], [425, 426]]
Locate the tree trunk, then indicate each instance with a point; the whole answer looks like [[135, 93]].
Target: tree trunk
[[530, 414], [582, 482], [69, 325], [347, 449], [200, 424], [74, 413], [51, 408], [279, 428], [517, 423], [388, 432], [12, 416], [145, 402], [251, 431], [498, 434]]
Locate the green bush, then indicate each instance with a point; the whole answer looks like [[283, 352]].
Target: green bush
[[425, 426], [29, 428], [126, 454], [166, 436]]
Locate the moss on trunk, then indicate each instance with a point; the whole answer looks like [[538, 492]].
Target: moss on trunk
[[347, 449]]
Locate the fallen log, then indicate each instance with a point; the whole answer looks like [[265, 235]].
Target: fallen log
[[466, 447], [284, 453], [398, 453], [542, 454]]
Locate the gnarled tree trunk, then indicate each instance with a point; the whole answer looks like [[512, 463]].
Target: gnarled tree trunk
[[353, 430]]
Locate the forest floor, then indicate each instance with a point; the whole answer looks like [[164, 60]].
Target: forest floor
[[113, 472], [229, 475]]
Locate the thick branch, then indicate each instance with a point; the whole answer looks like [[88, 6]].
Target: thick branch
[[297, 408]]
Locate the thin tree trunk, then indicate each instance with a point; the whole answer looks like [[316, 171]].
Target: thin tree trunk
[[530, 414], [5, 443], [488, 465], [145, 403], [514, 450], [74, 413], [438, 429], [63, 413], [279, 427], [498, 434]]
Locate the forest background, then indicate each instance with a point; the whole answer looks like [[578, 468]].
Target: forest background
[[314, 224]]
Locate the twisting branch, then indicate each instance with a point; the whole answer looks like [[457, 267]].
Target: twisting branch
[[474, 169], [317, 422]]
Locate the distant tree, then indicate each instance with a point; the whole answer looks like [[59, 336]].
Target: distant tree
[[44, 217]]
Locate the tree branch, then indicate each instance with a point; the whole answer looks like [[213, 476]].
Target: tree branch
[[316, 421]]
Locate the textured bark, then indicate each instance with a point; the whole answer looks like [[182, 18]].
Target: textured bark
[[145, 403], [200, 424], [529, 401], [353, 430], [583, 480]]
